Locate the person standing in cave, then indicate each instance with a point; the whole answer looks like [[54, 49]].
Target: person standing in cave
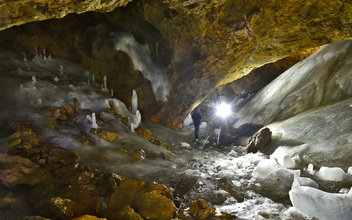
[[196, 121]]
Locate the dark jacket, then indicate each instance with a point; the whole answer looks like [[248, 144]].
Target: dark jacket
[[196, 118]]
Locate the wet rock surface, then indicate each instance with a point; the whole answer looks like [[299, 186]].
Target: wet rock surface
[[40, 180]]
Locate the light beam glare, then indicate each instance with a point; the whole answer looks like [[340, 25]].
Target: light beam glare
[[223, 110]]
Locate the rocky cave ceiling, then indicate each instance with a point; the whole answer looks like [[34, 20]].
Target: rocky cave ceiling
[[203, 43]]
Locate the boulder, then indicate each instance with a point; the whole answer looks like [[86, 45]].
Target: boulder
[[150, 201], [259, 140], [15, 170]]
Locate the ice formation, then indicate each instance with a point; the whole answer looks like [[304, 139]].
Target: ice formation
[[142, 61], [321, 78], [134, 102], [188, 120], [331, 173], [105, 84], [313, 202]]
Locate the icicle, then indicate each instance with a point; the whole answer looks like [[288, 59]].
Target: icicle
[[24, 57], [88, 82], [34, 79], [111, 92]]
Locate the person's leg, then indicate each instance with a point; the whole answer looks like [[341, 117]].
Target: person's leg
[[196, 130]]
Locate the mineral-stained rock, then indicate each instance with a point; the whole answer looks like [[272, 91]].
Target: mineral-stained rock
[[57, 187], [150, 201], [15, 170], [127, 213], [259, 140], [62, 208], [66, 112], [88, 217], [200, 210], [87, 199], [108, 136], [26, 138], [19, 12], [49, 111], [76, 104]]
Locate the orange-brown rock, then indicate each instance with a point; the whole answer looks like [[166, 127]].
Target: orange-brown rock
[[28, 138], [15, 170], [17, 12], [76, 104], [108, 136], [63, 208], [145, 133], [200, 210], [127, 213], [88, 217], [150, 201], [49, 111], [65, 112]]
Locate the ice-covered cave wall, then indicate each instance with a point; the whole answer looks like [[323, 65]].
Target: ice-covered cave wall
[[202, 44]]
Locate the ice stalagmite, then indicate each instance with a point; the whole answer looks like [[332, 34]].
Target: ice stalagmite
[[134, 102]]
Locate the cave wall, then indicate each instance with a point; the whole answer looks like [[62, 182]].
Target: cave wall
[[203, 43]]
